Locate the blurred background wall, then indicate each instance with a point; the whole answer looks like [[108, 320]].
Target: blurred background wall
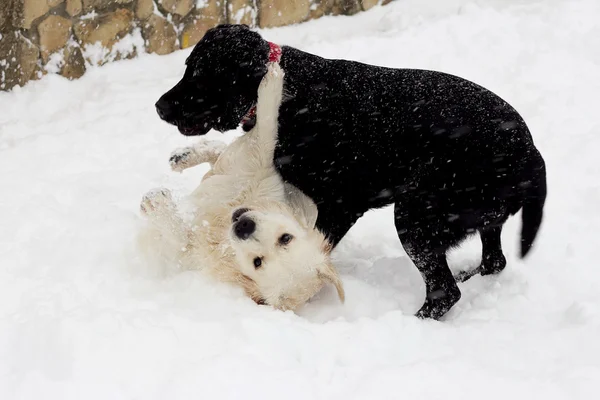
[[67, 36]]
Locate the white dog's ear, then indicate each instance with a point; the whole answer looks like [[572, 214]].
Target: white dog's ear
[[329, 274], [303, 207]]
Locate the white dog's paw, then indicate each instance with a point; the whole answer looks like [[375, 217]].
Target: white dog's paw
[[273, 79], [156, 200], [274, 71], [202, 152], [182, 158], [270, 93]]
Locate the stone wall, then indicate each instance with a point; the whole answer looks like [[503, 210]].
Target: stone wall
[[67, 36]]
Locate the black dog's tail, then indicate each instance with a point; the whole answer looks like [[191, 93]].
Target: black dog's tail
[[533, 208]]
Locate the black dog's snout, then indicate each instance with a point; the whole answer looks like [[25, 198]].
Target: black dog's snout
[[164, 109], [244, 227]]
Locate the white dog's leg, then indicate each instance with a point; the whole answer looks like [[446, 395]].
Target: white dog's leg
[[166, 235], [203, 151], [158, 206], [270, 93], [157, 202]]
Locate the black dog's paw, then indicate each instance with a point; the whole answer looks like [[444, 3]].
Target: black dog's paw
[[493, 264], [490, 265], [464, 276], [438, 303], [431, 310]]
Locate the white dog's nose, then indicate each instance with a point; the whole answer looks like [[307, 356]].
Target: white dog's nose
[[244, 227]]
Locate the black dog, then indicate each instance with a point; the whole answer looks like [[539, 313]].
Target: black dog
[[452, 157]]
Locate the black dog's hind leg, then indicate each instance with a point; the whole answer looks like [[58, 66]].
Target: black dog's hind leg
[[426, 245], [492, 258]]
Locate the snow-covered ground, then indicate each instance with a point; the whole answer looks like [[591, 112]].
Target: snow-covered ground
[[82, 317]]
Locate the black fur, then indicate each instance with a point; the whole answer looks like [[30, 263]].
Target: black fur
[[452, 156]]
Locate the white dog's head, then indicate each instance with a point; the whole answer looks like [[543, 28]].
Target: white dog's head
[[283, 259]]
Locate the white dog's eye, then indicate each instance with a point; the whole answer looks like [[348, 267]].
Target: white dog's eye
[[285, 238], [257, 262]]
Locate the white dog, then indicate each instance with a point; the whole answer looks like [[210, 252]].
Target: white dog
[[249, 228]]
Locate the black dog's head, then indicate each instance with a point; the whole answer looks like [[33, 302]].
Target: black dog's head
[[220, 83]]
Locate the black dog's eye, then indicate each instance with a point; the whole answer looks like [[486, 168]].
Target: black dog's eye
[[257, 262], [285, 238]]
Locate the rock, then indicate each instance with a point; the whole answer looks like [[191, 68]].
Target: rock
[[38, 72], [96, 5], [340, 7], [54, 32], [160, 35], [274, 13], [241, 12], [179, 7], [346, 7], [68, 62], [201, 20], [144, 9], [21, 60], [28, 11], [368, 4], [107, 29], [54, 3], [6, 12], [320, 8], [74, 66], [74, 7]]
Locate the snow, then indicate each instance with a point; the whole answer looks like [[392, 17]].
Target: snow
[[130, 44], [237, 17], [55, 62], [82, 317], [201, 4]]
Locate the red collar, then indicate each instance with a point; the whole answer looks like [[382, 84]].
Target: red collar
[[274, 52], [274, 56]]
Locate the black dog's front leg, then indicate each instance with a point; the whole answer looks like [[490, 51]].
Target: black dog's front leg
[[426, 242]]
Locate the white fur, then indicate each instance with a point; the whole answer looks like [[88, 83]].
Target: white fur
[[243, 176]]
